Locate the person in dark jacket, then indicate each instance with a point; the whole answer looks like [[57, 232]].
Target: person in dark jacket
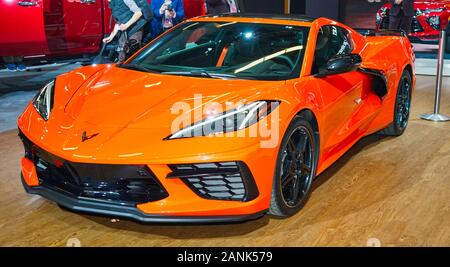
[[168, 13], [448, 36], [448, 28], [130, 20], [401, 15], [215, 7]]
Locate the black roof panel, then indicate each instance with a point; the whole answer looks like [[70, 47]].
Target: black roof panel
[[264, 16]]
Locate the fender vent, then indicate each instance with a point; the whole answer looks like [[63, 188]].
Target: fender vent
[[379, 82]]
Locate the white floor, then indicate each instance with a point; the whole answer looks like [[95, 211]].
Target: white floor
[[428, 66], [34, 78], [13, 102], [11, 105]]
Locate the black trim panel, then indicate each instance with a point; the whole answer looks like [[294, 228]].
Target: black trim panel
[[380, 85], [264, 16], [133, 213], [212, 180]]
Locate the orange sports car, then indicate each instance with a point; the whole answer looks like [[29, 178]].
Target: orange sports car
[[221, 119]]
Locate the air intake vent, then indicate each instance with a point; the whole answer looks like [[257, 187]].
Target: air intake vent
[[218, 181], [124, 184]]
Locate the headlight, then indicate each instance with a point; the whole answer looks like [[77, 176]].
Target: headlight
[[428, 11], [419, 12], [435, 22], [432, 10], [43, 102], [229, 121]]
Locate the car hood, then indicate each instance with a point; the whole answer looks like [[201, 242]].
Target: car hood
[[108, 114], [121, 98]]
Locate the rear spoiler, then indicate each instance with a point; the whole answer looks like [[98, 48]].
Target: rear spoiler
[[371, 32]]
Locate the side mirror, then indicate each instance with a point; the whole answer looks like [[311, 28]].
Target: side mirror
[[341, 64]]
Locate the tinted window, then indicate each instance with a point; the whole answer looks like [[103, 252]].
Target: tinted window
[[238, 50], [331, 41]]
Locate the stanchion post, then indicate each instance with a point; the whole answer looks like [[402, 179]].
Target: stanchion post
[[436, 116]]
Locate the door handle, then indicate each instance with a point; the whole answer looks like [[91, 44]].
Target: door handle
[[87, 2], [27, 3]]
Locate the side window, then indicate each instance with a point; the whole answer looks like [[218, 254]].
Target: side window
[[331, 41]]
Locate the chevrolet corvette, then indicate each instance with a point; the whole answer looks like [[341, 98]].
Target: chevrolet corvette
[[221, 119]]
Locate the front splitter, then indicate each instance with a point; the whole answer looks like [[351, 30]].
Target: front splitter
[[129, 212]]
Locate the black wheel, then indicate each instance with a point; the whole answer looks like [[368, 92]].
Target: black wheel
[[295, 169], [402, 107]]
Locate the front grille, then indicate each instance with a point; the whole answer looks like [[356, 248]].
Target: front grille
[[124, 184], [218, 181], [415, 24]]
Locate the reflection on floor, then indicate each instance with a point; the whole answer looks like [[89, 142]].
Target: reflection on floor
[[11, 105], [428, 66], [395, 190], [32, 79]]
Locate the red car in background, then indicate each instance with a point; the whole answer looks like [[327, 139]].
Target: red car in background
[[46, 29], [431, 16]]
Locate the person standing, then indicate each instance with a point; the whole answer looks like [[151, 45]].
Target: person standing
[[447, 31], [233, 6], [168, 13], [214, 7], [130, 20], [448, 28], [401, 15]]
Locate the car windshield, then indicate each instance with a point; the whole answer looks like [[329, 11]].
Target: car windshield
[[227, 50]]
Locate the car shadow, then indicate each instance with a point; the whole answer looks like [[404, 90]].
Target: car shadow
[[205, 231], [365, 143], [183, 231]]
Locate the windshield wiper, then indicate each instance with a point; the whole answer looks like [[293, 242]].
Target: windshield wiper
[[132, 66], [202, 73], [190, 73]]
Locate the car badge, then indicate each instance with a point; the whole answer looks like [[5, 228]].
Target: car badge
[[85, 137]]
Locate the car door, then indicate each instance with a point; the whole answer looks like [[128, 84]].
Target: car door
[[22, 32], [74, 26], [341, 93]]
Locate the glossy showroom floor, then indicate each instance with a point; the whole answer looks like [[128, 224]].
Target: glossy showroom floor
[[394, 190]]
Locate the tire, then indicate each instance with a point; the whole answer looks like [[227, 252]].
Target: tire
[[299, 135], [402, 107]]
